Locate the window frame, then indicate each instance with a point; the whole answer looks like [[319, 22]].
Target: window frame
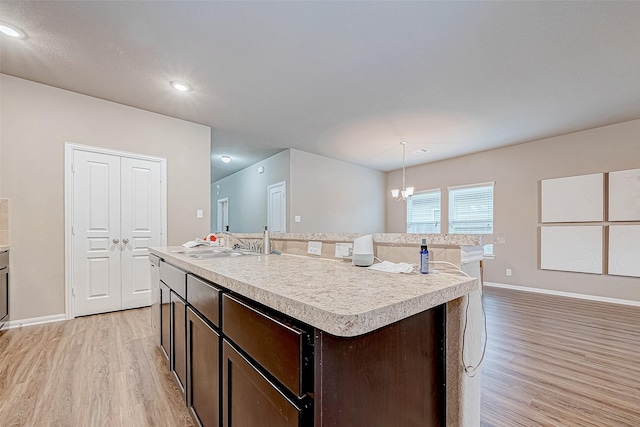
[[452, 221], [436, 224]]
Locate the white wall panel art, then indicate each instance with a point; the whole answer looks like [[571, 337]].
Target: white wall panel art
[[624, 250], [572, 248], [573, 199], [624, 195]]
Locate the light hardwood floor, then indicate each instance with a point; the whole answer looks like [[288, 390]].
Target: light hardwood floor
[[550, 361], [555, 361], [103, 370]]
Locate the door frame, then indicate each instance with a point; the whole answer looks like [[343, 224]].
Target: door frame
[[282, 184], [69, 149], [220, 204]]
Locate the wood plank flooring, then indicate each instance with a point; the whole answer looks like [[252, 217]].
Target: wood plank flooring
[[555, 361], [103, 370], [550, 361]]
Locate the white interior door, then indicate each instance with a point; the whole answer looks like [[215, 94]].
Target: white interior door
[[96, 233], [223, 214], [115, 211], [277, 207], [140, 227]]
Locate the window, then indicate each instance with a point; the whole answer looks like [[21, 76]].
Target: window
[[423, 212], [471, 209]]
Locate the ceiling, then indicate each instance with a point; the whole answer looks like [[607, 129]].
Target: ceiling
[[346, 80]]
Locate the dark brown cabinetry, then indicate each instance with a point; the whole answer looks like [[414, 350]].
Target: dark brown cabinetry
[[267, 371], [203, 351], [242, 364], [179, 339], [173, 319], [394, 376], [250, 399], [203, 370], [284, 351], [165, 320]]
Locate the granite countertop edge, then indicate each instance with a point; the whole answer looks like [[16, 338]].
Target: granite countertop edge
[[350, 314], [386, 238]]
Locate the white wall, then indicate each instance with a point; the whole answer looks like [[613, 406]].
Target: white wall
[[335, 196], [247, 194], [517, 172], [36, 122]]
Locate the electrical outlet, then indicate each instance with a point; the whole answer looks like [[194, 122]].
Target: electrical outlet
[[508, 272], [314, 248], [297, 218], [344, 250]]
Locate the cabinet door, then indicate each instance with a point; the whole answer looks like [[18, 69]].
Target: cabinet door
[[179, 342], [203, 366], [165, 321], [250, 399]]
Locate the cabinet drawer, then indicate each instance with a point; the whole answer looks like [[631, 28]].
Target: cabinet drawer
[[205, 298], [174, 278], [277, 347]]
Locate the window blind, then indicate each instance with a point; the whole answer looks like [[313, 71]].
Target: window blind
[[471, 209], [423, 213]]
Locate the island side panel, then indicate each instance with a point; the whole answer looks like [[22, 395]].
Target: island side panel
[[455, 369], [392, 376]]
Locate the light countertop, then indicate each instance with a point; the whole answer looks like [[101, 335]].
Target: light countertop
[[387, 238], [4, 248], [331, 295]]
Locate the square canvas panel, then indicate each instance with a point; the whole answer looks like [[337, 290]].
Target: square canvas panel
[[572, 248], [573, 199], [624, 195], [624, 250]]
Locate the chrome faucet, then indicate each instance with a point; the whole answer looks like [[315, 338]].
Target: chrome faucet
[[243, 244]]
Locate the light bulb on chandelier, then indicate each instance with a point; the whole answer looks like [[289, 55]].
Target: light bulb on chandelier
[[406, 192]]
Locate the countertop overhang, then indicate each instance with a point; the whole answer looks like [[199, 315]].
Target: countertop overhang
[[331, 295]]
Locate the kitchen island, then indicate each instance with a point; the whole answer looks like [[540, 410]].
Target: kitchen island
[[313, 341]]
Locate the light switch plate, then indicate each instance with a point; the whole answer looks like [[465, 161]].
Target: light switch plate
[[314, 248], [199, 214]]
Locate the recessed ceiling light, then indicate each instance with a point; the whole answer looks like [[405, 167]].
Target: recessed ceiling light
[[11, 31], [181, 86], [225, 159]]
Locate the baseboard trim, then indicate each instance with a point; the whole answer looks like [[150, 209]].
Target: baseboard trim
[[565, 294], [13, 324]]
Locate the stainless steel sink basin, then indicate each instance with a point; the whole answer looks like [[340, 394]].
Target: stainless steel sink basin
[[207, 251], [217, 253]]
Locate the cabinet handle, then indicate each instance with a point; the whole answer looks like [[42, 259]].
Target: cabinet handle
[[125, 241], [116, 241]]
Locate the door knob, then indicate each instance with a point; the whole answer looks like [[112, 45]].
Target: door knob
[[125, 241], [116, 241]]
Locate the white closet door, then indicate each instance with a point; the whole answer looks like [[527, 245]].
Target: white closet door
[[277, 207], [96, 248], [140, 227]]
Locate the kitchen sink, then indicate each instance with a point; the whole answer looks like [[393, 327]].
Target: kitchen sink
[[217, 253]]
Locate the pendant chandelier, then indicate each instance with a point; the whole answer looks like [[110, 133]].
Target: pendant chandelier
[[406, 192]]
